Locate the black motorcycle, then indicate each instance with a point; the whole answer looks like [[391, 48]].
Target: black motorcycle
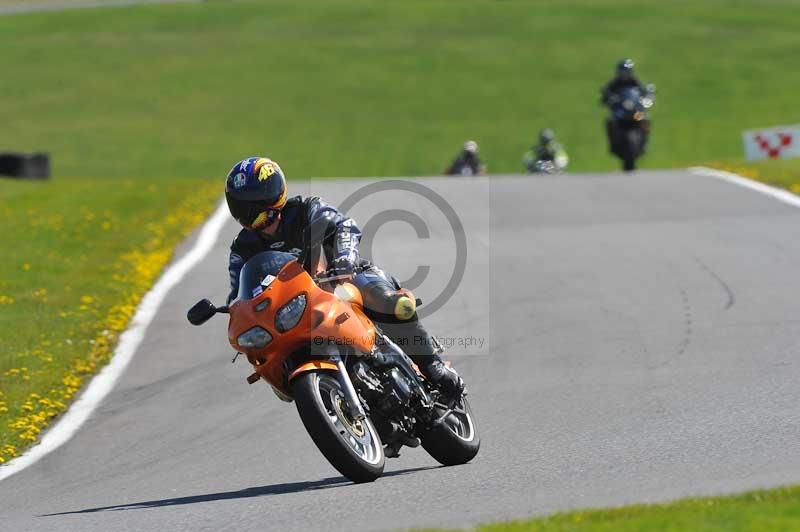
[[628, 127]]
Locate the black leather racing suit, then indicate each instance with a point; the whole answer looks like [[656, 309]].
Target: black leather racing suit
[[310, 228], [617, 84], [611, 89], [466, 164]]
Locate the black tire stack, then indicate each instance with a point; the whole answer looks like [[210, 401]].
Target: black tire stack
[[25, 165]]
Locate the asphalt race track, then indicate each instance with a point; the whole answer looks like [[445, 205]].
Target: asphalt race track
[[642, 345]]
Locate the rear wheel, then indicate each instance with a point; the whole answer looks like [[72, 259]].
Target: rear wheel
[[455, 441], [352, 446]]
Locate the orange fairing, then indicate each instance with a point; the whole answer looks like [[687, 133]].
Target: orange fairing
[[348, 292], [326, 323], [312, 366]]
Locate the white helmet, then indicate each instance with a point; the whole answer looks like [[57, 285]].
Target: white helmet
[[471, 146]]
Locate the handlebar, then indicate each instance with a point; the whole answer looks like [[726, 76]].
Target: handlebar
[[330, 275], [332, 278]]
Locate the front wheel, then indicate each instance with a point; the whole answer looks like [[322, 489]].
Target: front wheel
[[352, 446], [628, 163], [632, 149], [455, 440]]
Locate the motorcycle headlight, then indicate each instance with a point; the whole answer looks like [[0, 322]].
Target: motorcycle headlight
[[289, 315], [256, 337]]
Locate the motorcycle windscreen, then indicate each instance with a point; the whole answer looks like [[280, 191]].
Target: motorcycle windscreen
[[260, 271]]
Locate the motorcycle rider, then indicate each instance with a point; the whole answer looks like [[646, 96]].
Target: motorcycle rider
[[624, 78], [548, 149], [467, 162], [256, 192]]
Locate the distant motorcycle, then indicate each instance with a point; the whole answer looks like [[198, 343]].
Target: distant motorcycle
[[358, 394], [543, 166], [628, 127]]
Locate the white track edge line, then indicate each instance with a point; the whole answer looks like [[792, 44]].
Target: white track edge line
[[777, 193], [99, 387]]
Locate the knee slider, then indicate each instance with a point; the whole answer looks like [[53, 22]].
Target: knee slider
[[405, 306]]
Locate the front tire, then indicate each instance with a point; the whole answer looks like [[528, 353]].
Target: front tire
[[628, 163], [632, 149], [352, 447], [456, 440]]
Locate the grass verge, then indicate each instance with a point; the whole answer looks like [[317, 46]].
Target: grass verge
[[783, 173], [775, 510], [78, 256], [357, 87]]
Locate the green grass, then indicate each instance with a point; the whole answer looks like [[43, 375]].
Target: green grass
[[774, 510], [77, 255], [384, 88], [784, 173]]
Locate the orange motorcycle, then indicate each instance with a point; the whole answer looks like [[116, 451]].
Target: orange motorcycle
[[360, 397]]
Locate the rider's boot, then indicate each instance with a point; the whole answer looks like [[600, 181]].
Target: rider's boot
[[424, 349], [394, 309], [439, 373]]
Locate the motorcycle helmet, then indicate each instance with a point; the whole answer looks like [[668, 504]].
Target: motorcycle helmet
[[546, 136], [625, 67], [255, 190]]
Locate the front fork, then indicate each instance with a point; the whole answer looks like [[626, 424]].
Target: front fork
[[401, 360], [355, 410]]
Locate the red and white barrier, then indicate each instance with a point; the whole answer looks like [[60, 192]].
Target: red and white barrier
[[772, 143]]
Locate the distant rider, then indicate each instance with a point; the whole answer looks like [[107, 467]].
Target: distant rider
[[467, 162], [548, 149], [309, 228], [624, 78]]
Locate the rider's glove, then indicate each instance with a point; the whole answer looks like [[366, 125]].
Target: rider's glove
[[343, 266]]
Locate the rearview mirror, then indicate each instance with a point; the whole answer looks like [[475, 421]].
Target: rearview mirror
[[201, 312]]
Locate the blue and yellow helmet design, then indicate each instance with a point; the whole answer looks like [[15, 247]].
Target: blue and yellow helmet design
[[256, 191]]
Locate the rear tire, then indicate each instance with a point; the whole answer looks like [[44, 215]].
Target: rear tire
[[456, 441], [352, 447]]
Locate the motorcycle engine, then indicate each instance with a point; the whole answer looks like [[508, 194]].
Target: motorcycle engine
[[387, 390], [389, 395], [400, 386]]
